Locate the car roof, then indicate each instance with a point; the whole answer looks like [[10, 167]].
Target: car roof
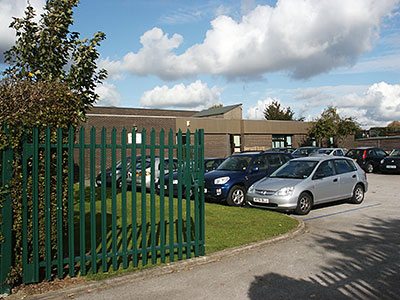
[[308, 147], [319, 158], [247, 153], [364, 148]]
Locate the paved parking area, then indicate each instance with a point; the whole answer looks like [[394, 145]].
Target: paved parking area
[[347, 252]]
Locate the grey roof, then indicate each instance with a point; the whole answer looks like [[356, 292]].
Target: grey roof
[[215, 111]]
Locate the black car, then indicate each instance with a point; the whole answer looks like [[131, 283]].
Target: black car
[[369, 158], [391, 163], [304, 151]]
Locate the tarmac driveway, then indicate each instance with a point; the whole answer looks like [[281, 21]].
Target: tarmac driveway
[[347, 252]]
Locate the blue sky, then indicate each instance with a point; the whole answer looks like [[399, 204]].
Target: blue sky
[[306, 54]]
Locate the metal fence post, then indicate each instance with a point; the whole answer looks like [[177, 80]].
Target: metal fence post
[[6, 220]]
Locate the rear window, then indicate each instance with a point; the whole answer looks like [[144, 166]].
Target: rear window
[[355, 152], [344, 166]]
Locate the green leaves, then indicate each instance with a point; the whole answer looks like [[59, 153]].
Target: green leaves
[[330, 124], [275, 112], [52, 53]]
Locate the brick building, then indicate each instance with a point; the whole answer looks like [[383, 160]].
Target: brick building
[[225, 132]]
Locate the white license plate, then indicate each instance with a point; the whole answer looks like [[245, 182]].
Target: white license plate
[[390, 167], [261, 200]]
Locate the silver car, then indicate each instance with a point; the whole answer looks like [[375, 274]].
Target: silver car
[[303, 182], [329, 151]]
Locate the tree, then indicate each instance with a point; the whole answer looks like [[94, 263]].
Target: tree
[[216, 106], [275, 112], [50, 82], [330, 124], [48, 51]]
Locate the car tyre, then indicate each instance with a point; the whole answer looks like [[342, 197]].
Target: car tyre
[[236, 196], [369, 167], [119, 184], [358, 194], [304, 204]]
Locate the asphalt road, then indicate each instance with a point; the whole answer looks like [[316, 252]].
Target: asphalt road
[[347, 252]]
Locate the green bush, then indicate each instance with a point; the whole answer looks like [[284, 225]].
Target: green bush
[[25, 104]]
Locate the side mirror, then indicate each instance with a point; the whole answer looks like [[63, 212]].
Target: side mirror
[[319, 175]]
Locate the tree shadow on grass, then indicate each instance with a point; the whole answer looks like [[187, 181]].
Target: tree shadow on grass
[[370, 268]]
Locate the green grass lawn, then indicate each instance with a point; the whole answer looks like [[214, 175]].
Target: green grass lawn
[[225, 226]]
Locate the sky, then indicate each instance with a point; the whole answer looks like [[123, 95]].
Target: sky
[[191, 55]]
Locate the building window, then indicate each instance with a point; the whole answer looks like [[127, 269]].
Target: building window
[[138, 138], [281, 141]]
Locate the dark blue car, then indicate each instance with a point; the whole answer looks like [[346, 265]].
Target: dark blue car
[[230, 181]]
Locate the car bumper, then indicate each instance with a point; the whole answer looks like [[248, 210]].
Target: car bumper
[[217, 192], [272, 201], [390, 168]]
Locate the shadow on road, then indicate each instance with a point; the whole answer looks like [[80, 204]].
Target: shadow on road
[[370, 268]]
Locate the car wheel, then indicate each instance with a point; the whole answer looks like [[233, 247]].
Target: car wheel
[[119, 184], [304, 204], [236, 196], [191, 193], [369, 167], [358, 194]]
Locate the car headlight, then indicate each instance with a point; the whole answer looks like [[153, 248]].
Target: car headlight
[[286, 191], [251, 189], [382, 161], [221, 180]]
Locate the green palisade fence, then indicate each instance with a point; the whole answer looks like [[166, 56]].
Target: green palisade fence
[[78, 218]]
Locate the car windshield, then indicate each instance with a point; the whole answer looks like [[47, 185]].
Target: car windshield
[[303, 151], [395, 152], [325, 151], [295, 169], [235, 163]]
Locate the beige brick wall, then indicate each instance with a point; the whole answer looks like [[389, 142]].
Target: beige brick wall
[[386, 143], [256, 142], [215, 145]]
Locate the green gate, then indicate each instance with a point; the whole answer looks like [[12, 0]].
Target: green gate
[[91, 203]]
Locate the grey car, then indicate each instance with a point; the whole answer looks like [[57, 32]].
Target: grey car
[[148, 170], [303, 182]]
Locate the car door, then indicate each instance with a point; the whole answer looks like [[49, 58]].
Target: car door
[[259, 168], [347, 173], [326, 185]]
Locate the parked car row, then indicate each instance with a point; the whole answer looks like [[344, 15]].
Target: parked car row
[[210, 164], [279, 181], [370, 159], [276, 179]]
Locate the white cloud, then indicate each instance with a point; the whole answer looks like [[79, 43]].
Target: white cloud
[[9, 9], [196, 96], [256, 112], [302, 37], [109, 95], [378, 106], [375, 105]]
